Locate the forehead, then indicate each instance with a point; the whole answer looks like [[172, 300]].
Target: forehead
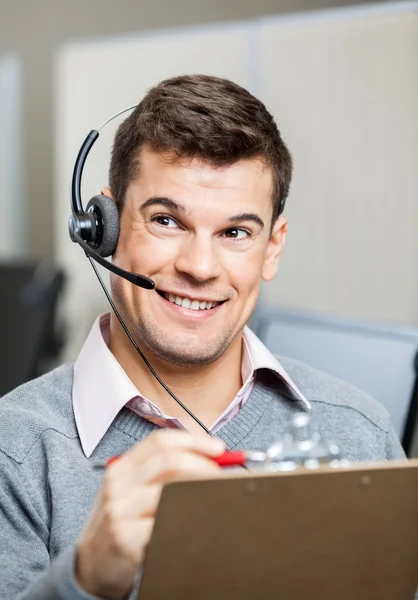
[[248, 181]]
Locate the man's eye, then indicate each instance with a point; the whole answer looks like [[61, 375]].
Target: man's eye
[[165, 221], [237, 234]]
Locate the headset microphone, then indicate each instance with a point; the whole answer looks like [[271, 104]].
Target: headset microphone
[[139, 280]]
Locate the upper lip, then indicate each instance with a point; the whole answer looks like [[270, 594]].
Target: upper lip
[[190, 296]]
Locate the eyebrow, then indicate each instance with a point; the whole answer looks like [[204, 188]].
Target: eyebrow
[[163, 201], [247, 217], [173, 205]]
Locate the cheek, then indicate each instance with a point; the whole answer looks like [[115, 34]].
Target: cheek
[[139, 251], [244, 271]]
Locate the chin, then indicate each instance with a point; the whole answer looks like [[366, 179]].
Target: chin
[[185, 360], [182, 349], [187, 355]]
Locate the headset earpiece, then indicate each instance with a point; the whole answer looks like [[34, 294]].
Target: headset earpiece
[[106, 217]]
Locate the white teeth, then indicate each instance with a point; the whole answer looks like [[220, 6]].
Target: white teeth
[[191, 304]]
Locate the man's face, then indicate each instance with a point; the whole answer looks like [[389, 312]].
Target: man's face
[[203, 234]]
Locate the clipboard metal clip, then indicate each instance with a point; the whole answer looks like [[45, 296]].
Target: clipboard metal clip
[[301, 446]]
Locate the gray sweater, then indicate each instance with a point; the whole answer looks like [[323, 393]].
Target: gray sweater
[[47, 485]]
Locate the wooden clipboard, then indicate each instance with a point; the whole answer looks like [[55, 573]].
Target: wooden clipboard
[[347, 534]]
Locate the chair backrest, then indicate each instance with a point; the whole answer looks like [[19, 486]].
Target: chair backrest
[[378, 359], [28, 302]]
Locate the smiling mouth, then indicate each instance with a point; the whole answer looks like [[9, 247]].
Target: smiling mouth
[[188, 303]]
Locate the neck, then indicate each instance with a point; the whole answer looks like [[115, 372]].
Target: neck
[[206, 391]]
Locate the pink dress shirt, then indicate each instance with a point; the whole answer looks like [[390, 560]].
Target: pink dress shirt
[[101, 387]]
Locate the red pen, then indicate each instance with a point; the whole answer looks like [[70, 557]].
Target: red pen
[[227, 459]]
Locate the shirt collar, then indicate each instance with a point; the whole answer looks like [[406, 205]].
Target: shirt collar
[[101, 387], [262, 358]]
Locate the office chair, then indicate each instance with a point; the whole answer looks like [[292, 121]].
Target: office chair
[[28, 301]]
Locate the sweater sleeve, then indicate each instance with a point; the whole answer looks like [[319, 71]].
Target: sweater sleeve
[[394, 450], [57, 582], [27, 572]]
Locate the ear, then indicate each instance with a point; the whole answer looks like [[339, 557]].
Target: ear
[[106, 191], [274, 249]]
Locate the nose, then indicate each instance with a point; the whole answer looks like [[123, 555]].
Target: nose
[[198, 258]]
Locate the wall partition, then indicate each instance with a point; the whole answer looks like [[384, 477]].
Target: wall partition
[[12, 218]]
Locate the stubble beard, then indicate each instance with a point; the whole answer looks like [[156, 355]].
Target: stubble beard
[[183, 352]]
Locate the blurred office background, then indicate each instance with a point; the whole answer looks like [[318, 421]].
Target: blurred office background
[[341, 79]]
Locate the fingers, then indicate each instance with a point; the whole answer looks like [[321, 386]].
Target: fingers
[[169, 440], [137, 501], [163, 456], [179, 465], [167, 465]]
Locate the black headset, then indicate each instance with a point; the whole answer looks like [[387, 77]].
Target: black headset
[[96, 229]]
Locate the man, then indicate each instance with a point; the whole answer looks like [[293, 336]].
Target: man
[[199, 174]]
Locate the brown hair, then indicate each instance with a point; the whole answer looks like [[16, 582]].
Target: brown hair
[[205, 117]]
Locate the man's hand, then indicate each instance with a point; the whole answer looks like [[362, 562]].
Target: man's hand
[[112, 545]]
